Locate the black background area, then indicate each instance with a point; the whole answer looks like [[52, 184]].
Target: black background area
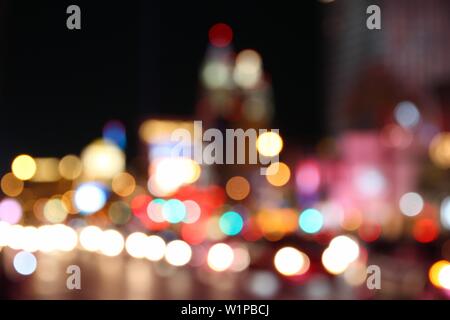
[[135, 59]]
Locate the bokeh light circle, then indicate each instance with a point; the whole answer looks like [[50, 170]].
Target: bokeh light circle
[[269, 144], [193, 211], [136, 245], [220, 257], [123, 184], [278, 174], [237, 188], [173, 211], [289, 261], [231, 223], [220, 35], [10, 210], [70, 167], [178, 253], [11, 185], [111, 243], [311, 221], [24, 167], [156, 248], [411, 204], [90, 197], [25, 263], [434, 274], [406, 114], [90, 238]]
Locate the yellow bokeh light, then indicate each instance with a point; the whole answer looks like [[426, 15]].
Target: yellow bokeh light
[[38, 209], [54, 211], [70, 167], [444, 277], [46, 170], [276, 223], [440, 150], [23, 167], [192, 169], [435, 271], [67, 202], [248, 70], [11, 186], [332, 262], [123, 184], [269, 144], [214, 233], [237, 188], [169, 174], [102, 160], [356, 274], [278, 174], [340, 254], [352, 220], [160, 131]]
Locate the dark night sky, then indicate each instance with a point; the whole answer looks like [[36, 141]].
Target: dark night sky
[[133, 59]]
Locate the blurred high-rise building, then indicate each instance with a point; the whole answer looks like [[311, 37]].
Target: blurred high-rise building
[[368, 71]]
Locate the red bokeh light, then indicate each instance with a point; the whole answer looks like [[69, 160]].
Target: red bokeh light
[[369, 232], [195, 233], [220, 35], [425, 230], [139, 205]]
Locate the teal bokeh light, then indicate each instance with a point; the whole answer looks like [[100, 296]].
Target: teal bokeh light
[[311, 221], [231, 223], [174, 211]]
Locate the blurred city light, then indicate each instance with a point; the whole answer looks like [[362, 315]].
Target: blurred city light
[[269, 144], [290, 261], [90, 197], [23, 167], [220, 257], [25, 263]]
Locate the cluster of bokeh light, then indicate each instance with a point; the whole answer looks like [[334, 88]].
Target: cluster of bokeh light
[[175, 213]]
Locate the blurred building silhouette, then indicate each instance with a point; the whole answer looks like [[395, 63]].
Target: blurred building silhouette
[[368, 71]]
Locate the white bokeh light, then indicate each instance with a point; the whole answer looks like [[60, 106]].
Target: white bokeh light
[[90, 238], [178, 253], [111, 243], [220, 257], [411, 204], [445, 213], [406, 114], [156, 248], [90, 197], [289, 261], [25, 263]]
